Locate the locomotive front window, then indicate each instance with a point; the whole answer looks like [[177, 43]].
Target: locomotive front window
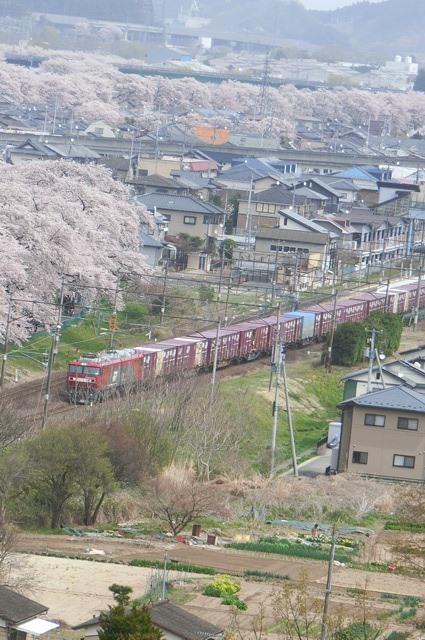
[[94, 371], [73, 368]]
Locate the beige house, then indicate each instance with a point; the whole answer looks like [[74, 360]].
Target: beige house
[[101, 129], [383, 435], [185, 214], [19, 617]]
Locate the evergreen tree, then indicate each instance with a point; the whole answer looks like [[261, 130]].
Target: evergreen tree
[[391, 326], [126, 622], [348, 344]]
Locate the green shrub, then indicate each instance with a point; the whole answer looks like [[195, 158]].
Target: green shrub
[[235, 601], [357, 631], [408, 613], [395, 525], [389, 596], [222, 586], [411, 601], [397, 635]]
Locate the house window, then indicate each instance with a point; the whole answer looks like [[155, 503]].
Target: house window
[[16, 635], [359, 457], [373, 420], [411, 424], [404, 461], [98, 131], [285, 221], [208, 220], [189, 220]]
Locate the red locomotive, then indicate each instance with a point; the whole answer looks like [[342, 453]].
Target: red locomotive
[[95, 376]]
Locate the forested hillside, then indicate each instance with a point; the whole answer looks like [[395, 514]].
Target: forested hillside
[[391, 26]]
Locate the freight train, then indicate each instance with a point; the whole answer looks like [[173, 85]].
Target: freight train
[[95, 376]]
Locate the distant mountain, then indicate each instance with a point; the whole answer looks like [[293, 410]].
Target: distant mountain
[[392, 26]]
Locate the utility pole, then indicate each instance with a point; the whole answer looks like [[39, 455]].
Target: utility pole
[[421, 250], [276, 367], [5, 344], [164, 291], [164, 577], [371, 341], [328, 590], [275, 274], [215, 361], [220, 278], [52, 355], [289, 414], [248, 224], [113, 318], [331, 340]]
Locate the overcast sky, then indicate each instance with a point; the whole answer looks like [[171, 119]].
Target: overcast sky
[[329, 4]]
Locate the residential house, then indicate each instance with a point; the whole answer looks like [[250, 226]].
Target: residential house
[[248, 140], [390, 374], [329, 195], [187, 215], [300, 254], [100, 129], [155, 183], [196, 184], [175, 623], [345, 188], [368, 192], [383, 434], [121, 168], [377, 239], [153, 229], [263, 208], [33, 150], [240, 179], [19, 616]]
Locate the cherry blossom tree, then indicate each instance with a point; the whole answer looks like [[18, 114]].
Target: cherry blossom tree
[[93, 87], [62, 222]]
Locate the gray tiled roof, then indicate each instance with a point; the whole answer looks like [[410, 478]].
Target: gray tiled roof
[[400, 398], [175, 202], [15, 608], [175, 620], [310, 237]]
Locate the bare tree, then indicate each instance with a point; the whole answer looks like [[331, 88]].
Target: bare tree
[[177, 498]]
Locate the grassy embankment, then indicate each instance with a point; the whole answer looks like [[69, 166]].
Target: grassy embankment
[[313, 395]]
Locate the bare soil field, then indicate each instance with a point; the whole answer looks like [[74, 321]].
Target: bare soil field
[[75, 590]]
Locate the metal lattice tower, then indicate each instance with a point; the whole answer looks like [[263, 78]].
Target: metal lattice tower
[[263, 100]]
